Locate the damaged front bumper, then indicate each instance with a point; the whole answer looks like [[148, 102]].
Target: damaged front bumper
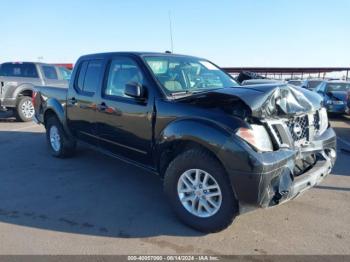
[[268, 180], [312, 177]]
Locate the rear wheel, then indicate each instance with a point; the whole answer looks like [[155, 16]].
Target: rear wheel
[[59, 144], [25, 110], [200, 192]]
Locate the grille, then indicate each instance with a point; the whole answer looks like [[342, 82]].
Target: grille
[[317, 121], [295, 131], [298, 127]]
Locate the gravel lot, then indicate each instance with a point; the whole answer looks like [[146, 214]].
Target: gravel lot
[[93, 204]]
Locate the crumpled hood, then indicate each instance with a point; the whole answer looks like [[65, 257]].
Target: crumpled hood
[[269, 100]]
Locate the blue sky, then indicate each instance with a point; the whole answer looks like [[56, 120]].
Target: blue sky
[[228, 32]]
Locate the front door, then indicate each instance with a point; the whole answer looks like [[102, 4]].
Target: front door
[[124, 123]]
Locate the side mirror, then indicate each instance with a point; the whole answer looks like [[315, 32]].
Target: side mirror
[[134, 90]]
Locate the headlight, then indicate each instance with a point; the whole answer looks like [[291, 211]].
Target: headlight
[[257, 137], [323, 121]]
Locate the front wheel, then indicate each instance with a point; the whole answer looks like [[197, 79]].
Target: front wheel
[[59, 144], [200, 192]]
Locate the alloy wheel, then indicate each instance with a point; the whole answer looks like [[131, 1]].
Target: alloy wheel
[[199, 193], [55, 139], [27, 109]]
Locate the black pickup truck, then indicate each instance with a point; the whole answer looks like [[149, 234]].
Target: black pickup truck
[[220, 148]]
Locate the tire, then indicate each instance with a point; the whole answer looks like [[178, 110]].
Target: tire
[[59, 144], [186, 163], [24, 111]]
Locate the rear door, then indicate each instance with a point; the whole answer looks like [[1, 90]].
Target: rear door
[[81, 99]]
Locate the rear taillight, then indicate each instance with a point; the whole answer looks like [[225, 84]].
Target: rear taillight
[[33, 97]]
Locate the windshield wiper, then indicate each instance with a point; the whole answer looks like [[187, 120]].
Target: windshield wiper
[[192, 92], [182, 93]]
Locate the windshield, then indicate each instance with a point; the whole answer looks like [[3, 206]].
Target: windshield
[[338, 87], [186, 74]]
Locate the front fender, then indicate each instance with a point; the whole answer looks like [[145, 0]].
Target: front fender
[[205, 133]]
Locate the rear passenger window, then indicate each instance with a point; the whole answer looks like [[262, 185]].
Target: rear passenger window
[[90, 76], [81, 77], [50, 72], [93, 76]]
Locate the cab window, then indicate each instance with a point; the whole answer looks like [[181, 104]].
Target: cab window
[[121, 72], [90, 76], [93, 76], [50, 72]]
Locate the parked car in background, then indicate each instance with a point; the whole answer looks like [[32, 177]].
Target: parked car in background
[[311, 84], [65, 73], [295, 82], [17, 81], [221, 149], [248, 75], [335, 95], [261, 82]]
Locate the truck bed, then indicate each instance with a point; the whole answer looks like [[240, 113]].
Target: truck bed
[[43, 94]]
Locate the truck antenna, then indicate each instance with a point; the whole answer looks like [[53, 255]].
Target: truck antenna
[[171, 33]]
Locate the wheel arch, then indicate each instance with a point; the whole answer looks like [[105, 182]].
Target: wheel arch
[[49, 113], [23, 90], [185, 134], [54, 108]]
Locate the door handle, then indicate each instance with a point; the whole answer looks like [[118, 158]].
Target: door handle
[[72, 101], [102, 106]]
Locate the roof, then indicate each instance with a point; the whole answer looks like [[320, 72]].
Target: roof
[[137, 53], [28, 62]]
